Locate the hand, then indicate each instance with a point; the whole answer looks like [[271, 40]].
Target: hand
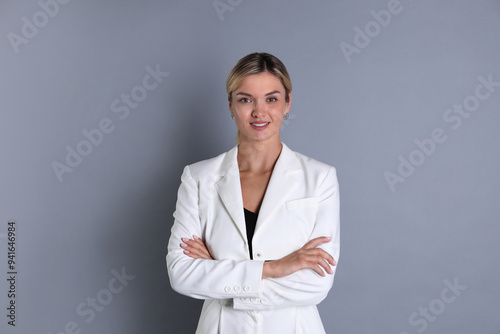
[[195, 248], [307, 257]]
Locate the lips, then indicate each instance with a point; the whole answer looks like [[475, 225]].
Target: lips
[[259, 125]]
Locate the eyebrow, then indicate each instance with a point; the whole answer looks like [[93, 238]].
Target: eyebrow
[[270, 93]]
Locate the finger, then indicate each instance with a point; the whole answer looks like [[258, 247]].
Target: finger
[[193, 244], [201, 246], [321, 267], [320, 262], [195, 252], [199, 242], [326, 261], [313, 243], [326, 256], [197, 256], [196, 248], [321, 253], [190, 249], [326, 266], [317, 269]]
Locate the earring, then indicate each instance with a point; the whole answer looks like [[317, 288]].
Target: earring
[[285, 116], [232, 116]]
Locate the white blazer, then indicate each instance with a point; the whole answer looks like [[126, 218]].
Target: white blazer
[[301, 203]]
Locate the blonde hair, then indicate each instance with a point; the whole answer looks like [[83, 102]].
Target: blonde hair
[[256, 63]]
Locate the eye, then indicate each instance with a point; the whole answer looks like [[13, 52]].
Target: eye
[[272, 99], [244, 100]]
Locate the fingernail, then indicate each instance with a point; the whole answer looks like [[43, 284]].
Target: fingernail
[[185, 239], [183, 245], [194, 236], [186, 252]]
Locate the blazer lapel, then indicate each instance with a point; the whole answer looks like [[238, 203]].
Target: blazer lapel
[[229, 189], [283, 181]]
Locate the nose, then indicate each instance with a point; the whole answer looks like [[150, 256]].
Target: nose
[[258, 109]]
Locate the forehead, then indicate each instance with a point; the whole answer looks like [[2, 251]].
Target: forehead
[[262, 82]]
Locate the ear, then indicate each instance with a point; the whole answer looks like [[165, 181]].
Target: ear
[[289, 103]]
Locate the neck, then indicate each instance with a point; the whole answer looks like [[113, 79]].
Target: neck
[[258, 157]]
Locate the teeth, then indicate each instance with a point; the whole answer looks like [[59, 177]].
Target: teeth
[[262, 124]]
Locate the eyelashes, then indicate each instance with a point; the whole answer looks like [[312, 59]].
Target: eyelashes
[[247, 100]]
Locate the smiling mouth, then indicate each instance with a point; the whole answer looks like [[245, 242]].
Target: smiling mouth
[[259, 125]]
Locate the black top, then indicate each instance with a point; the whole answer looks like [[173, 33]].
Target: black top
[[251, 221]]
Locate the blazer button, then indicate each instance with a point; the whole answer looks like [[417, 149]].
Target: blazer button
[[227, 289], [258, 255], [246, 288], [237, 288]]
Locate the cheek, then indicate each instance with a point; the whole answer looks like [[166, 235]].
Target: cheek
[[278, 112], [242, 109]]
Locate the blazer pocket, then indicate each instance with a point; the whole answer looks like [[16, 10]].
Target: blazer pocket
[[302, 203], [301, 218]]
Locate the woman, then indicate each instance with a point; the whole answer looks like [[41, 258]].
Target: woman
[[256, 230]]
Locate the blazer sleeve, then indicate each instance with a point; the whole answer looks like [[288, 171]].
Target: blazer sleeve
[[201, 278], [305, 287]]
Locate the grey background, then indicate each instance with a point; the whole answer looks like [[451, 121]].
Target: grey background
[[114, 210]]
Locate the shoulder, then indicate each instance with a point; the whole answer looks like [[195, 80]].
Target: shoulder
[[205, 166], [310, 165], [209, 167], [320, 175]]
